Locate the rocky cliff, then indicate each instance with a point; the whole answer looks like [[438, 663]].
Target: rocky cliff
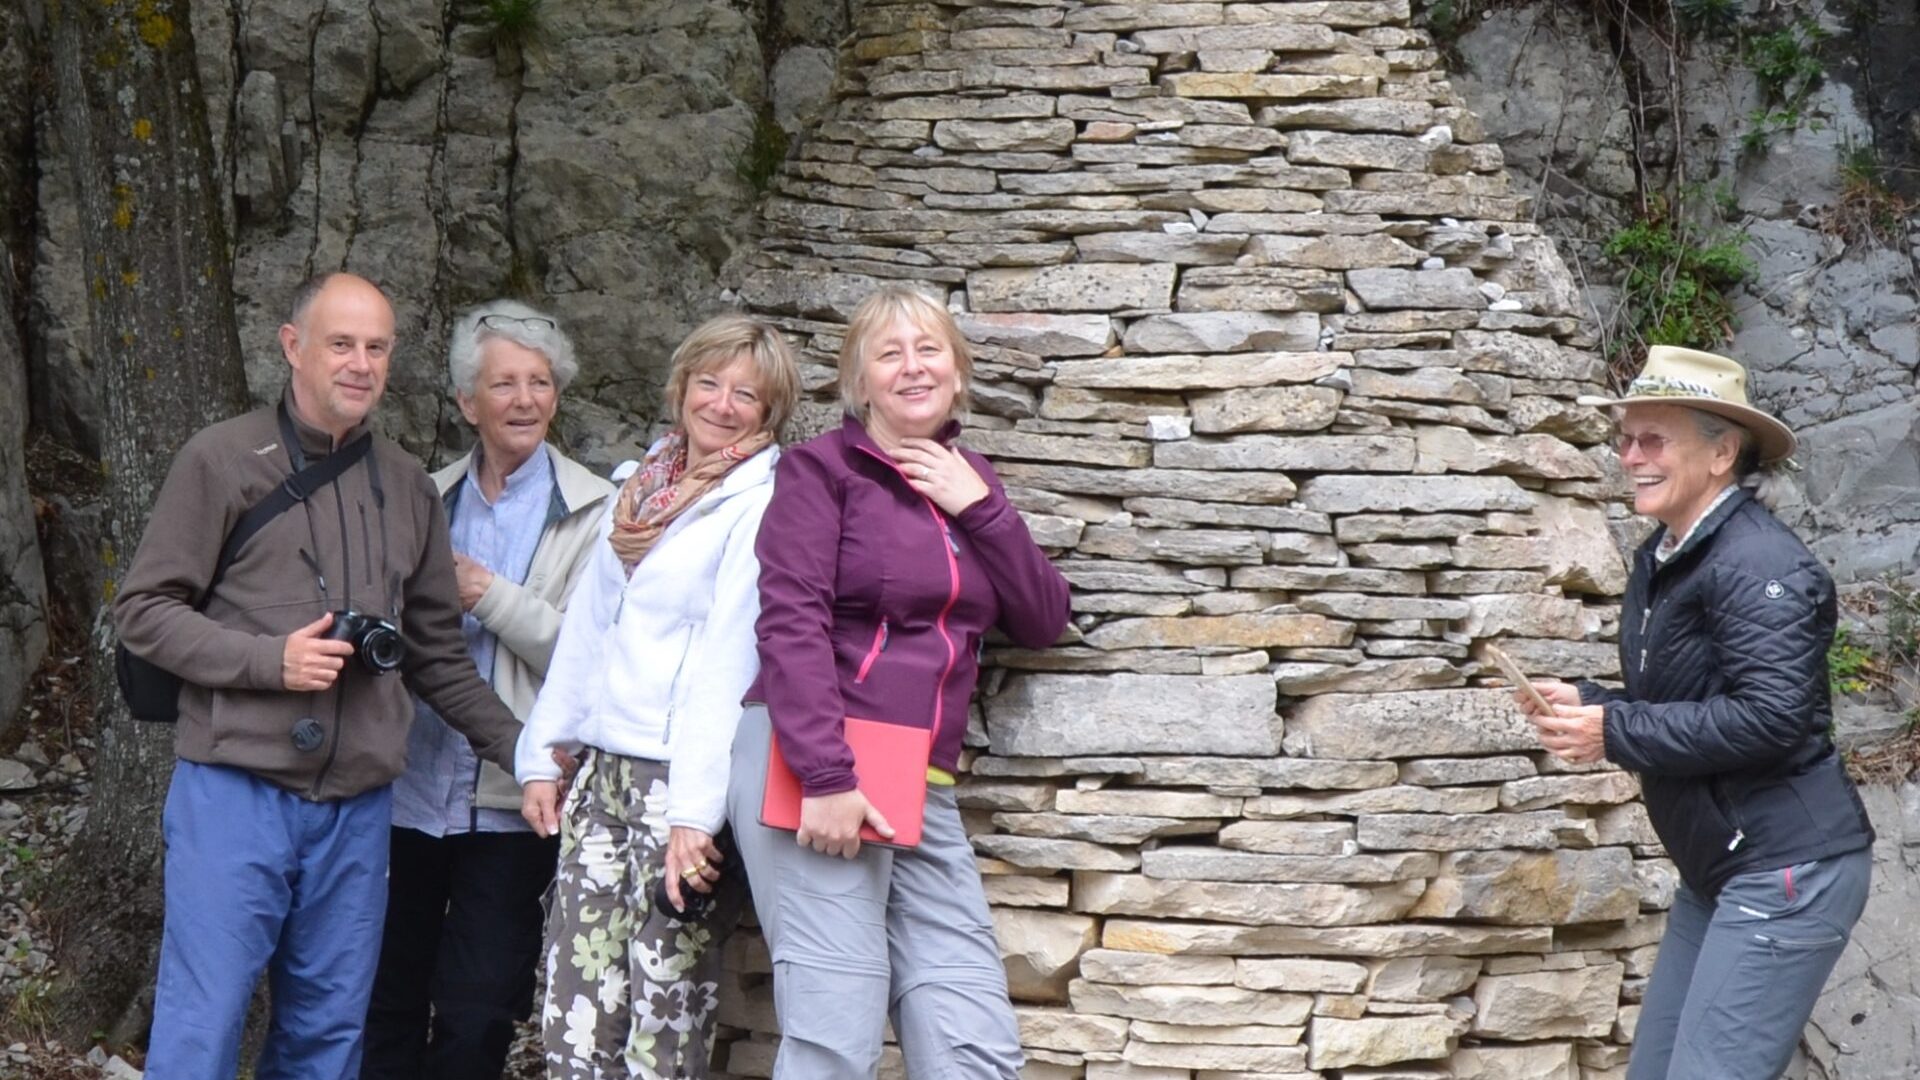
[[1787, 133], [1281, 307]]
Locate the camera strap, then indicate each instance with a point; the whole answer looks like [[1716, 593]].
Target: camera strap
[[292, 491], [151, 692]]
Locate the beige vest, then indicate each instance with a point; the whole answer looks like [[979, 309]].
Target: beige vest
[[526, 617]]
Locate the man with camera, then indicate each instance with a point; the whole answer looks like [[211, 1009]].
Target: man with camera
[[295, 651]]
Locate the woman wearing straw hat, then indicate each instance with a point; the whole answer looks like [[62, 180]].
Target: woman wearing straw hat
[[1724, 716]]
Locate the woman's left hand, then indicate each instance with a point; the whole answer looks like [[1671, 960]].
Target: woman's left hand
[[473, 579], [943, 475], [692, 861], [1574, 733]]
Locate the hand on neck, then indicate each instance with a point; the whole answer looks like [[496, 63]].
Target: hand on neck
[[887, 438]]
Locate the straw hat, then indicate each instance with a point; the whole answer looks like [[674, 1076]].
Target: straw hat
[[1704, 381]]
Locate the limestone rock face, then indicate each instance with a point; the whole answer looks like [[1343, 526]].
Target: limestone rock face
[[23, 587], [1415, 724], [1529, 888], [1337, 1043], [1042, 951], [1547, 1004], [1274, 358], [591, 169], [1050, 715], [1274, 366]]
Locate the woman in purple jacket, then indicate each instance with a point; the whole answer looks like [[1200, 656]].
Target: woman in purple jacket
[[886, 553]]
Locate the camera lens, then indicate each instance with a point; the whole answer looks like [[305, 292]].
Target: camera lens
[[382, 649]]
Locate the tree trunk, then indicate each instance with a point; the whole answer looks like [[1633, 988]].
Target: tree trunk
[[23, 592], [133, 130]]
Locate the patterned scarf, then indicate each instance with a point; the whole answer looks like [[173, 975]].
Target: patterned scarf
[[663, 487]]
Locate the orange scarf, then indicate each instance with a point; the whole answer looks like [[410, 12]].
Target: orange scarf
[[663, 488]]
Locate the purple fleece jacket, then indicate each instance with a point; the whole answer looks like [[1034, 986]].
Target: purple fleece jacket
[[873, 601]]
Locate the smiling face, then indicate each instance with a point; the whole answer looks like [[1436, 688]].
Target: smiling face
[[1677, 472], [511, 402], [339, 352], [722, 406], [908, 381]]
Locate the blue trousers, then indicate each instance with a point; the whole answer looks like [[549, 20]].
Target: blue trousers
[[1737, 978], [258, 878]]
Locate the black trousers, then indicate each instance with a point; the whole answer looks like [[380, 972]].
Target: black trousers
[[457, 960]]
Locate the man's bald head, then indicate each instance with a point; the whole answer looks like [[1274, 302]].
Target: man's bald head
[[337, 340]]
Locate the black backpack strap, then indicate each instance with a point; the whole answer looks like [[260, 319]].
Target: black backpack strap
[[292, 491]]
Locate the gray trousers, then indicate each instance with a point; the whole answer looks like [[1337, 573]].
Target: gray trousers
[[893, 934], [1737, 979]]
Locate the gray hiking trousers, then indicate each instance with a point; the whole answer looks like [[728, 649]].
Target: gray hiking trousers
[[1736, 979], [893, 934]]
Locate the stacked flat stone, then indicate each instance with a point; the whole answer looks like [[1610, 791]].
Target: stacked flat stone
[[1275, 365]]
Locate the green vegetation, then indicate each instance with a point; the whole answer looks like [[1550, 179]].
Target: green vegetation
[[31, 1009], [1784, 62], [1786, 65], [1443, 19], [511, 22], [1868, 211], [760, 162], [1677, 277], [1849, 664], [1706, 17], [1878, 654]]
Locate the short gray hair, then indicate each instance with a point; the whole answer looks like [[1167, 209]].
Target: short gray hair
[[517, 323], [1712, 427], [1769, 483]]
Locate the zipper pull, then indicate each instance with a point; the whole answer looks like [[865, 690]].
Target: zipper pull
[[952, 544], [1738, 835], [884, 634], [1645, 614], [1643, 659], [314, 565]]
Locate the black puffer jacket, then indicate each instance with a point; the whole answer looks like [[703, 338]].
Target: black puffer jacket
[[1726, 706]]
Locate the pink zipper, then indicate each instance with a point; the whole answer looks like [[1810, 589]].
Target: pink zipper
[[879, 646], [953, 597]]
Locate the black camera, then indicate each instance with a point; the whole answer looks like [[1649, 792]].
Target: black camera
[[375, 641]]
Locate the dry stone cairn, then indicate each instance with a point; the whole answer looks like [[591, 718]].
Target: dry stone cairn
[[1275, 364]]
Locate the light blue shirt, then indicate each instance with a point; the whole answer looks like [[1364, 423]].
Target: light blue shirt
[[435, 794]]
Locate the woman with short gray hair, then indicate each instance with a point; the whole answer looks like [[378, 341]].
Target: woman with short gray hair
[[508, 320], [1725, 716], [463, 919]]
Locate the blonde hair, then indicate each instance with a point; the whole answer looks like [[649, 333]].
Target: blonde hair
[[715, 344], [879, 312]]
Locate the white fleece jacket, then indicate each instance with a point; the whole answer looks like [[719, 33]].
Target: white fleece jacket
[[654, 666]]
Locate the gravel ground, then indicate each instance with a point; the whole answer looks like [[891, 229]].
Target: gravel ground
[[43, 804]]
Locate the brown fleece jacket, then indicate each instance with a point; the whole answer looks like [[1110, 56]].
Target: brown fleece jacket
[[347, 544]]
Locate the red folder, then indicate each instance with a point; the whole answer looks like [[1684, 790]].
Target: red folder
[[890, 763]]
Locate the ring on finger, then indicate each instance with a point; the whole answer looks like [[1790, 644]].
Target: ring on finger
[[690, 873]]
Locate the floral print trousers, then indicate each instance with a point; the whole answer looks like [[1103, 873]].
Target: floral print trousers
[[631, 992]]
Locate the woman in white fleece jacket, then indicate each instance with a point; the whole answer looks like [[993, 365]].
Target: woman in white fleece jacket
[[656, 649]]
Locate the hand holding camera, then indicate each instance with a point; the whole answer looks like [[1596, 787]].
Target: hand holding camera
[[316, 653], [376, 642]]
